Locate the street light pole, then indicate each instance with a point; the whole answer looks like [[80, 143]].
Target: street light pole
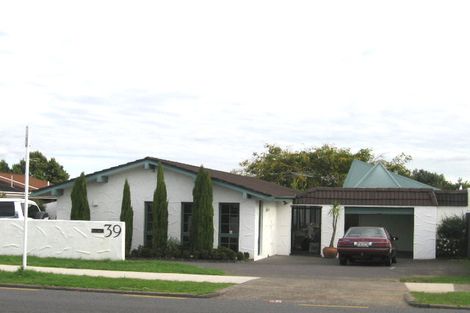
[[26, 194]]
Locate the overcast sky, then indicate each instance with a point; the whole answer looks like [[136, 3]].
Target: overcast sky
[[106, 82]]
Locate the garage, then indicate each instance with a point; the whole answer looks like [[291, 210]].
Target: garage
[[398, 221]]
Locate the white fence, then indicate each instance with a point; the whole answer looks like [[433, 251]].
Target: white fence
[[92, 240]]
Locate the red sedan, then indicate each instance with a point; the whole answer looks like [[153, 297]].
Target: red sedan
[[367, 243]]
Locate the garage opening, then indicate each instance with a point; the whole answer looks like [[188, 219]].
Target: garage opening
[[398, 221]]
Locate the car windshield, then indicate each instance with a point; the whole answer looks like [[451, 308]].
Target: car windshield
[[366, 232]]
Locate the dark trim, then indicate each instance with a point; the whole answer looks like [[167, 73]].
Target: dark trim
[[452, 198], [255, 186], [383, 197], [260, 226]]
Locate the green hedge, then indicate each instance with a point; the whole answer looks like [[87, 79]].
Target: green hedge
[[174, 250]]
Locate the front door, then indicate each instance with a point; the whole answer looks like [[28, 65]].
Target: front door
[[306, 230]]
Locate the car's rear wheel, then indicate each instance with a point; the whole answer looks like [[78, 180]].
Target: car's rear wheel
[[388, 260]]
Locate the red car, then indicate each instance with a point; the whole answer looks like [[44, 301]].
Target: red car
[[367, 243]]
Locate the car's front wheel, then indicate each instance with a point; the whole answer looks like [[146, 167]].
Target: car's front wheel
[[343, 260]]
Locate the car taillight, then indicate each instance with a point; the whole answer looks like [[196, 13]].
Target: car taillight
[[344, 243], [382, 244]]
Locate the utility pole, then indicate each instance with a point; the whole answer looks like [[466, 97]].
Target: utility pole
[[26, 195]]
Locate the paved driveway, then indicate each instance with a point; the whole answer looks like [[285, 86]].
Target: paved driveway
[[319, 281]]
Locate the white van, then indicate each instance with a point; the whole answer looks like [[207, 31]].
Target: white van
[[14, 208]]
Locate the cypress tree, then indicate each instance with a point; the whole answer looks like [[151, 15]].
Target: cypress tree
[[127, 215], [160, 212], [80, 208], [202, 226]]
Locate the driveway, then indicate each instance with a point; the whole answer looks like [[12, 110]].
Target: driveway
[[318, 281]]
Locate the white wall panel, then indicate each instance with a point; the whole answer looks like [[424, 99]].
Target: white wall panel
[[425, 227], [64, 239]]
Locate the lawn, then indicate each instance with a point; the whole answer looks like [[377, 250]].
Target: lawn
[[450, 298], [462, 279], [122, 284], [437, 279], [155, 266]]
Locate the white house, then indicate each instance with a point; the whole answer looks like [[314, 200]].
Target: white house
[[263, 218], [250, 215]]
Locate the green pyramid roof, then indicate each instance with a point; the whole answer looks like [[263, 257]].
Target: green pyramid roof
[[365, 175]]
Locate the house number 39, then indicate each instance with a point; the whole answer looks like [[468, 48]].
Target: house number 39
[[112, 229]]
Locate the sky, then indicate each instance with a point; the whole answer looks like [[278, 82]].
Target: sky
[[101, 83]]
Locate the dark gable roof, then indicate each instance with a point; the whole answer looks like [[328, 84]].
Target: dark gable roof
[[383, 196], [246, 183]]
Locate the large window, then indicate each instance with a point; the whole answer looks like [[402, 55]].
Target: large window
[[229, 214], [148, 224], [186, 217]]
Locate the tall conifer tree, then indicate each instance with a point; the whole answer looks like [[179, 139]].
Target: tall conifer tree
[[127, 215], [80, 207], [202, 227], [160, 212]]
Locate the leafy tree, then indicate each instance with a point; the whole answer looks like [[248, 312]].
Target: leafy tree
[[160, 212], [4, 167], [398, 164], [80, 207], [42, 168], [202, 224], [127, 215], [432, 179], [324, 166]]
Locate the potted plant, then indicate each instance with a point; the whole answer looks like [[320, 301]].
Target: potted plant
[[330, 251]]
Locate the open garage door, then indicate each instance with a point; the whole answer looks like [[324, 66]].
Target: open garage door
[[398, 221]]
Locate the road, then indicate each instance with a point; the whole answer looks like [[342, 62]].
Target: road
[[52, 301]]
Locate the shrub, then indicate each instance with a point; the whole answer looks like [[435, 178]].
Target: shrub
[[160, 212], [202, 223], [173, 249], [226, 253], [127, 215], [451, 237], [80, 207], [142, 252]]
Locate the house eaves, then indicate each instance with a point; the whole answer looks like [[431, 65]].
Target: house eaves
[[248, 186]]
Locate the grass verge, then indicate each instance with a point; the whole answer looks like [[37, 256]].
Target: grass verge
[[437, 279], [155, 266], [122, 284], [450, 298]]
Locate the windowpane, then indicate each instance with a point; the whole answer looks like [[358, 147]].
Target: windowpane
[[148, 226], [229, 225], [7, 209], [187, 211]]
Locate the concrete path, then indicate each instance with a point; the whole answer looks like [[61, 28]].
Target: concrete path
[[430, 287], [136, 275]]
